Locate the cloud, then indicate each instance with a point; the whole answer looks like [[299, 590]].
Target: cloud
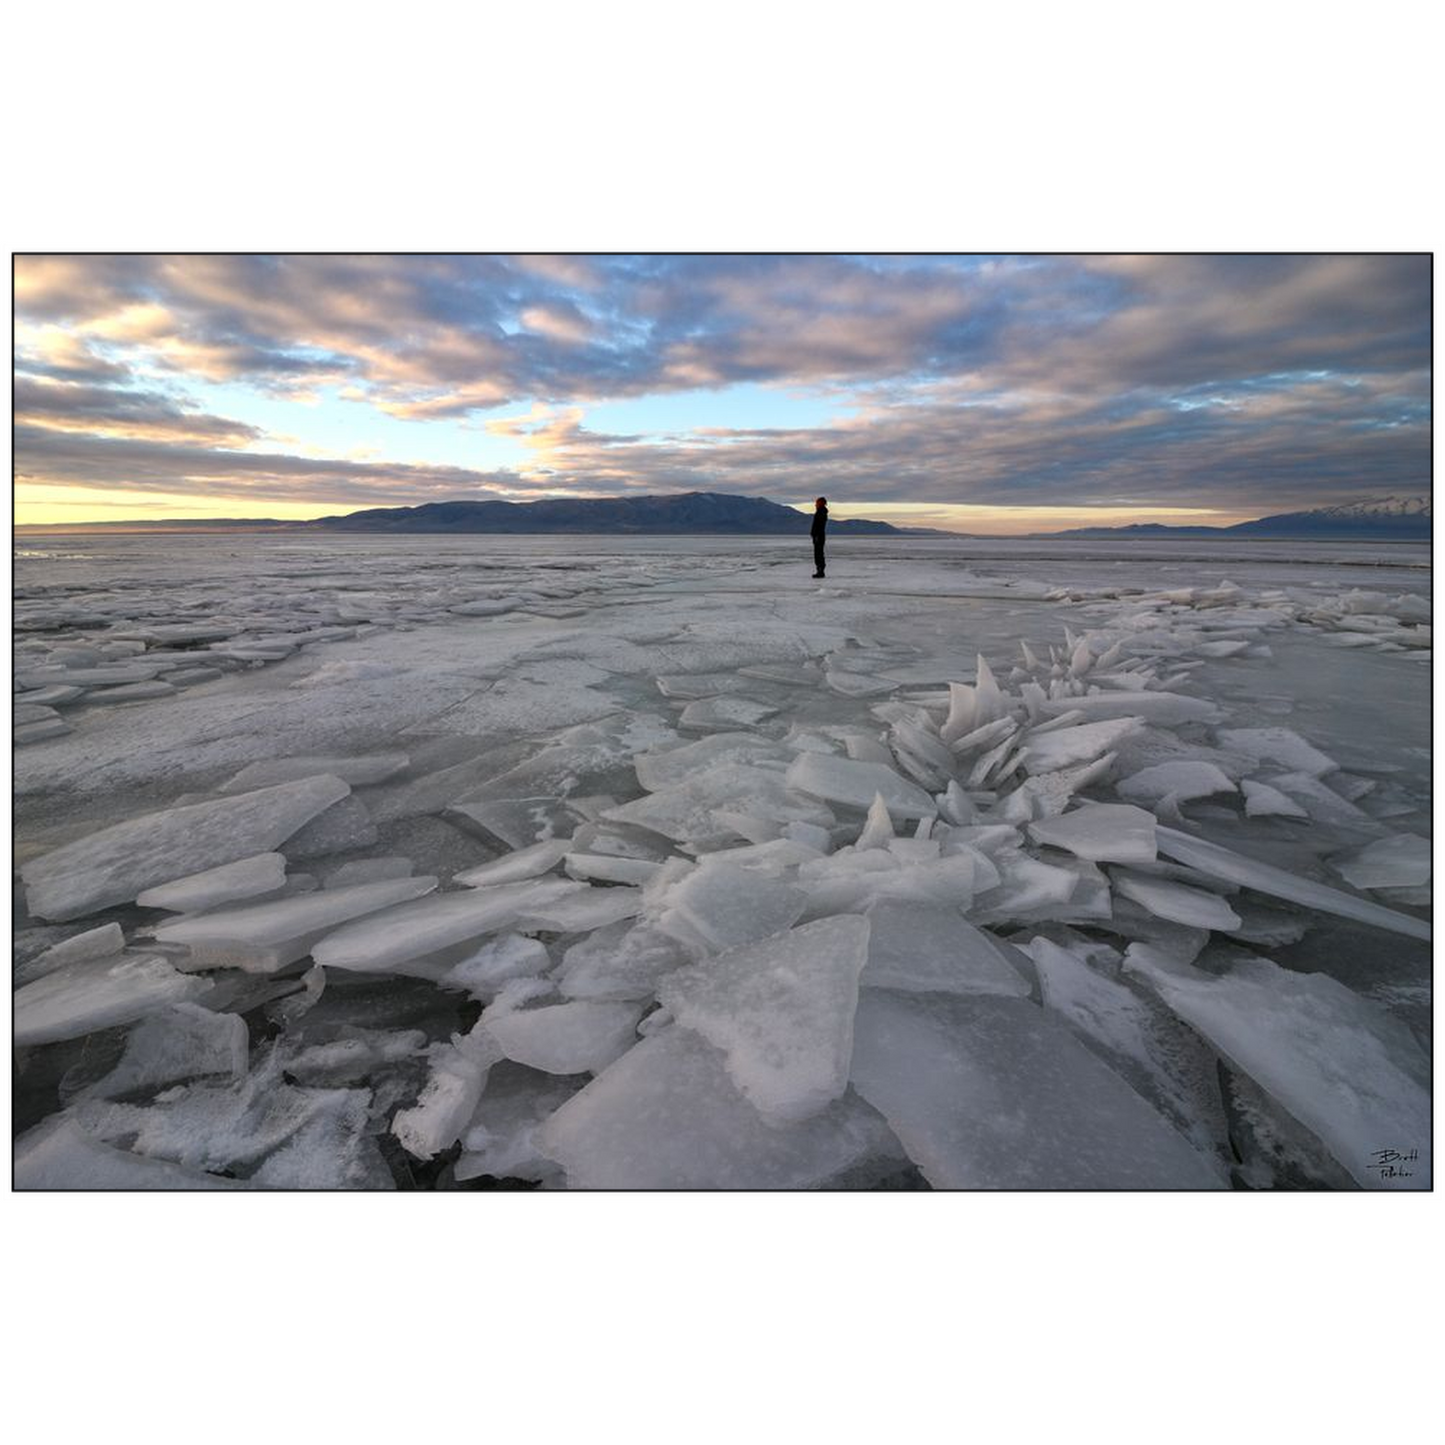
[[1254, 382]]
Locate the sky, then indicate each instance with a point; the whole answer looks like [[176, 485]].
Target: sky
[[987, 394]]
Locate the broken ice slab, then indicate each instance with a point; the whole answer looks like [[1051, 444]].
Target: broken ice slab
[[667, 1116], [1278, 745], [39, 732], [578, 1037], [370, 870], [723, 906], [1162, 709], [667, 767], [97, 994], [100, 942], [344, 826], [183, 1041], [266, 937], [499, 1139], [1262, 801], [1180, 781], [687, 812], [458, 1075], [519, 822], [131, 692], [856, 785], [580, 912], [1220, 862], [1351, 1074], [609, 868], [926, 948], [374, 768], [1080, 744], [1399, 862], [1323, 804], [782, 1012], [231, 1126], [59, 1154], [25, 713], [725, 713], [382, 941], [620, 962], [1176, 902], [1100, 832], [993, 1093], [56, 695], [1143, 1042], [522, 863], [118, 863], [484, 972], [244, 878]]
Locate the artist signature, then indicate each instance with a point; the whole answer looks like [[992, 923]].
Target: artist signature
[[1391, 1162]]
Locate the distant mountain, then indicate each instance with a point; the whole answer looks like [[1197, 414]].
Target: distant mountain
[[712, 512], [682, 513], [1390, 519]]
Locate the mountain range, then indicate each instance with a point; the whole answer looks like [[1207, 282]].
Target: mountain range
[[1390, 519], [720, 513]]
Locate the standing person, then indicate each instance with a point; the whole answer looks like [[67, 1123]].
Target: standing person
[[820, 530]]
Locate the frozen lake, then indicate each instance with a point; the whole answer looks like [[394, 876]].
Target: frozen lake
[[571, 861]]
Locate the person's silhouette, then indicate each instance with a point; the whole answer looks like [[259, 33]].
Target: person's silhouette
[[820, 531]]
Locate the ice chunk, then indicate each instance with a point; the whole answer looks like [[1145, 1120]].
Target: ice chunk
[[520, 822], [1142, 1042], [992, 1093], [181, 1042], [1180, 781], [668, 767], [97, 994], [582, 911], [1323, 804], [244, 878], [687, 811], [725, 906], [974, 707], [499, 1139], [1219, 862], [131, 692], [1262, 801], [266, 937], [667, 1116], [856, 785], [1101, 832], [782, 1012], [1080, 744], [609, 868], [511, 956], [381, 941], [99, 942], [621, 961], [1162, 709], [1027, 886], [374, 768], [1175, 901], [1343, 1067], [523, 863], [1399, 862], [1278, 745], [370, 870], [458, 1075], [579, 1037], [725, 713], [343, 826], [878, 830], [39, 732], [118, 863], [924, 948], [59, 1154]]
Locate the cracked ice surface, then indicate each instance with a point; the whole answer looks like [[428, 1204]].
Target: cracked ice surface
[[980, 865]]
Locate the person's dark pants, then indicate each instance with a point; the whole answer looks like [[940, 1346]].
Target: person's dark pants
[[817, 554]]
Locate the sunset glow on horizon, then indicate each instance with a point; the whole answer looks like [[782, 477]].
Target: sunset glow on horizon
[[995, 395]]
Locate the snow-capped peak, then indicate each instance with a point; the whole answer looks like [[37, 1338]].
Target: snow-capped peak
[[1381, 507]]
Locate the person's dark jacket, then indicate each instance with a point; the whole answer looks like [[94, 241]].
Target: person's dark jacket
[[820, 524]]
